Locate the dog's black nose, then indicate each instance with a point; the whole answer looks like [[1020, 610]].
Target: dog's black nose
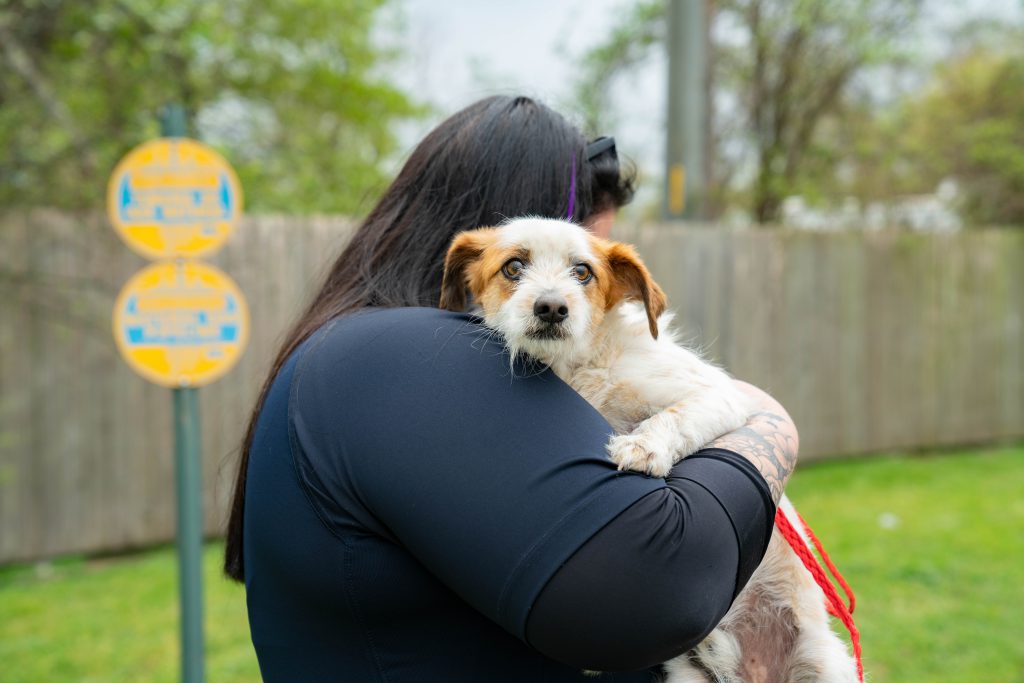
[[551, 309]]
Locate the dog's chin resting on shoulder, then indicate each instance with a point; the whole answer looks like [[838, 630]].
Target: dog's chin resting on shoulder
[[590, 310]]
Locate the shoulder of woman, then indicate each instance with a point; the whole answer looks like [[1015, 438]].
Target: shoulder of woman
[[397, 335]]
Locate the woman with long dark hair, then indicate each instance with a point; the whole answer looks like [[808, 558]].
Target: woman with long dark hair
[[406, 509]]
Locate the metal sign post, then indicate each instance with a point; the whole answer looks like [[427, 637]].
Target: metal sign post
[[179, 322], [188, 472], [188, 476]]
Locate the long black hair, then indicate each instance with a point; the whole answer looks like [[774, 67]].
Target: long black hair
[[499, 158]]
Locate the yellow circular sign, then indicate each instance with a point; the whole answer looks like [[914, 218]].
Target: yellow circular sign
[[174, 197], [181, 324]]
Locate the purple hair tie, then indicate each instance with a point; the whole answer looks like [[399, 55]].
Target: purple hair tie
[[572, 191]]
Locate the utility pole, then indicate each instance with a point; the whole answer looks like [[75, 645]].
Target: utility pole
[[685, 184]]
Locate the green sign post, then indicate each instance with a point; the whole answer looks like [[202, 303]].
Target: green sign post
[[188, 475]]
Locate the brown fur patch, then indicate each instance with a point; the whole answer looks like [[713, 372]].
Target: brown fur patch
[[461, 265], [604, 292], [630, 279], [489, 286]]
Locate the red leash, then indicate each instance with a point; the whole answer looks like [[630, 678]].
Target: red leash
[[835, 605]]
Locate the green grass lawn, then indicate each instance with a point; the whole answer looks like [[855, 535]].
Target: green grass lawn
[[934, 548], [116, 619]]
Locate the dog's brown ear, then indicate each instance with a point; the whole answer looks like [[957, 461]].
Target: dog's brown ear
[[635, 281], [464, 250]]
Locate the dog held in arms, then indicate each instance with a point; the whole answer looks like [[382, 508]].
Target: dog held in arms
[[589, 309]]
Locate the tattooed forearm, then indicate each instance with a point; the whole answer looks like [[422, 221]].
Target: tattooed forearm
[[769, 441]]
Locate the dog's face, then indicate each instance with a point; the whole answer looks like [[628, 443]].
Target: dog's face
[[546, 284]]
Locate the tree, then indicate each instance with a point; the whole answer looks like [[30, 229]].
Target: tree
[[968, 125], [779, 69], [640, 30], [961, 119], [289, 90]]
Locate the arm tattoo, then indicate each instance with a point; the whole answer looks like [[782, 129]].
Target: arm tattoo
[[765, 441]]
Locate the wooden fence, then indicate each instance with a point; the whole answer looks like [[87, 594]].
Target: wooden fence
[[874, 342]]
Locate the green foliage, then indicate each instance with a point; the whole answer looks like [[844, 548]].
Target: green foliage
[[968, 125], [291, 92], [931, 545], [630, 43], [964, 122]]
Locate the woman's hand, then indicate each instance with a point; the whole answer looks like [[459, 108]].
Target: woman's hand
[[769, 439]]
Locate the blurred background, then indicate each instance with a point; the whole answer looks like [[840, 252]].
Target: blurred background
[[852, 240]]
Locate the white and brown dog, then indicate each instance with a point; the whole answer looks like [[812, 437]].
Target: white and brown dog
[[589, 309]]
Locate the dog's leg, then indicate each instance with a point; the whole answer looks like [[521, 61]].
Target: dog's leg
[[715, 660], [682, 670], [679, 430], [821, 657]]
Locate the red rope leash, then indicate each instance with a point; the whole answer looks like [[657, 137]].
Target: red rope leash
[[831, 567], [834, 603]]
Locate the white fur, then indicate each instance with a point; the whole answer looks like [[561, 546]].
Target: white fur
[[665, 403]]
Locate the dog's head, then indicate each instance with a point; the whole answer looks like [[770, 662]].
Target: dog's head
[[546, 284]]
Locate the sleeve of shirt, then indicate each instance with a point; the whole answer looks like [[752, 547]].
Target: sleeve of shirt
[[660, 576], [414, 424]]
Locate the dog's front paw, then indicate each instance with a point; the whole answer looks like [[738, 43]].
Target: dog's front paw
[[641, 453]]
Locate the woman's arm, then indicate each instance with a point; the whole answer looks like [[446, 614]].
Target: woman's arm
[[769, 440], [659, 577]]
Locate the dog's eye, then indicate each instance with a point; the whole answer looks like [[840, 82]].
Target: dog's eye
[[512, 269], [582, 272]]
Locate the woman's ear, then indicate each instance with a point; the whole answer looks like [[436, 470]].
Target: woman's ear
[[635, 282], [465, 249]]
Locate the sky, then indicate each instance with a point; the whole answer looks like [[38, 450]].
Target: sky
[[461, 50], [461, 47]]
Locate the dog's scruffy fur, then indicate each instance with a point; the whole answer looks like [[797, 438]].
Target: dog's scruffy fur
[[589, 309]]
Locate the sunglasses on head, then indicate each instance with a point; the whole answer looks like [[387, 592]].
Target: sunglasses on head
[[599, 146]]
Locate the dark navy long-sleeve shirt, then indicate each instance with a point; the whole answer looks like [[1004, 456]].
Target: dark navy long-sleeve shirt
[[419, 509]]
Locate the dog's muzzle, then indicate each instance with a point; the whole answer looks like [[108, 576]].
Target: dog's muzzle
[[547, 331]]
